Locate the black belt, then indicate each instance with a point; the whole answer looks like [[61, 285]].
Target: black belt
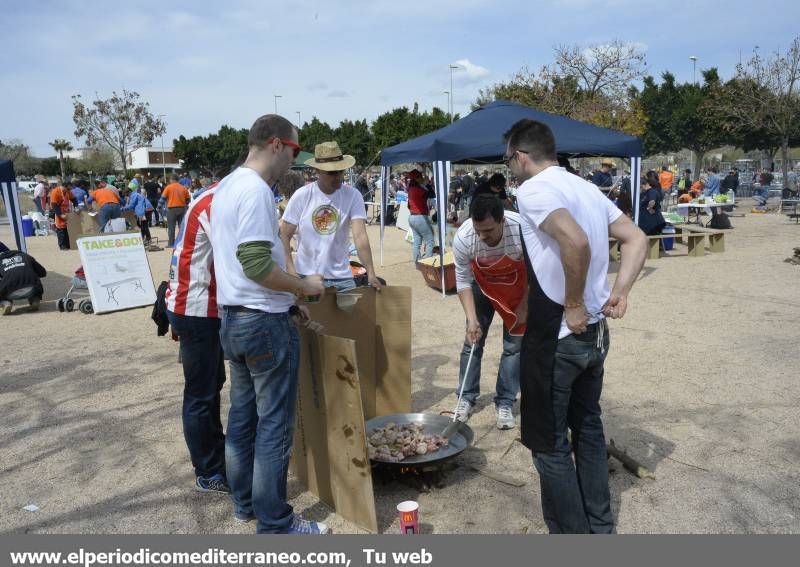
[[293, 310]]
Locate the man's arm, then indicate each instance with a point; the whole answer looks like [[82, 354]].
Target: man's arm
[[467, 299], [575, 255], [632, 256], [258, 265], [361, 240], [287, 232]]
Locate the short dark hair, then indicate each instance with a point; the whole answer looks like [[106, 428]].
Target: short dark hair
[[269, 126], [497, 180], [652, 179], [664, 168], [174, 177], [533, 137], [484, 205]]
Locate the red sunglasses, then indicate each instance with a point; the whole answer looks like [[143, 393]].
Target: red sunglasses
[[294, 145]]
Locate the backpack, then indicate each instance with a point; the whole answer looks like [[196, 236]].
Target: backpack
[[720, 222]]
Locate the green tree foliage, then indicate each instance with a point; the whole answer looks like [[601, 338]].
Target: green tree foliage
[[354, 139], [684, 116], [401, 124], [24, 163], [122, 122], [215, 153], [315, 132]]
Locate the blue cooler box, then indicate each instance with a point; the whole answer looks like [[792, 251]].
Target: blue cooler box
[[668, 242], [27, 227]]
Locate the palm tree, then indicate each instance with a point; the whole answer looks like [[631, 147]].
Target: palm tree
[[61, 146]]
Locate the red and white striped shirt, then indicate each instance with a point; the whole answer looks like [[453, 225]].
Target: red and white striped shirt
[[192, 286]]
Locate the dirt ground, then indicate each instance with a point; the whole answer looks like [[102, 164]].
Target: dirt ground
[[701, 386]]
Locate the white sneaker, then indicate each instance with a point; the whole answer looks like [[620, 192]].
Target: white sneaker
[[463, 411], [505, 418]]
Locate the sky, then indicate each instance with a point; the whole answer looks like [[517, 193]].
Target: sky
[[203, 64]]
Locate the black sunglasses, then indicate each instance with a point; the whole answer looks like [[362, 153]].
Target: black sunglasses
[[509, 159]]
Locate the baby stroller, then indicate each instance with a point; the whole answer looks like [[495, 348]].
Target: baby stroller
[[67, 303]]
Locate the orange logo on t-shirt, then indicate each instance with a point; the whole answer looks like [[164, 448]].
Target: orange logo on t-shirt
[[325, 219]]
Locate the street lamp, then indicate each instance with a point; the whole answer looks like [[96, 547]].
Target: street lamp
[[694, 68], [163, 161], [452, 68], [448, 102], [298, 119], [277, 96]]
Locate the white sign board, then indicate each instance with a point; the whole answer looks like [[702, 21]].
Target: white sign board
[[117, 271]]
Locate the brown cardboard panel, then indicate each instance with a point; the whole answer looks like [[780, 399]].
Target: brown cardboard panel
[[310, 454], [83, 224], [393, 351], [350, 471]]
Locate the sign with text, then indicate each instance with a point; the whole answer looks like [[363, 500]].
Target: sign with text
[[117, 271]]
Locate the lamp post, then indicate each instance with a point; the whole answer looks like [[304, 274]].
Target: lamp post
[[694, 68], [448, 104], [163, 161], [452, 68], [298, 119], [276, 97]]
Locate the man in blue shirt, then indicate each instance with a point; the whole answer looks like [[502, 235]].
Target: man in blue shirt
[[712, 183], [185, 180], [602, 178], [79, 194]]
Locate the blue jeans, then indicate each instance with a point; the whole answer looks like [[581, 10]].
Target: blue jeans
[[423, 232], [761, 195], [575, 495], [204, 375], [507, 387], [108, 212], [342, 284], [264, 354]]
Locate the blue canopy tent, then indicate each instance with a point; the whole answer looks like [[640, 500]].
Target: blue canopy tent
[[8, 186], [478, 138]]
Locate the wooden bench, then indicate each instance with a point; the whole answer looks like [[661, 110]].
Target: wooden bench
[[653, 245], [716, 238]]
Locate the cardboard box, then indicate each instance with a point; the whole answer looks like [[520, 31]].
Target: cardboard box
[[359, 368], [87, 223], [432, 274]]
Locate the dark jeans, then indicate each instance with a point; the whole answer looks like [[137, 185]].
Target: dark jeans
[[264, 354], [204, 376], [575, 495], [144, 226], [63, 238], [507, 387], [174, 218]]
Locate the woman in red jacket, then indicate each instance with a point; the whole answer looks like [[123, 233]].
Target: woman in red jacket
[[419, 221]]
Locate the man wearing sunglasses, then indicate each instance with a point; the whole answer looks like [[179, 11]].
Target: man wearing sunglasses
[[566, 223], [322, 214], [256, 301]]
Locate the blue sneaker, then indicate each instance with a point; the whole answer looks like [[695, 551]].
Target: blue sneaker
[[307, 527], [214, 483]]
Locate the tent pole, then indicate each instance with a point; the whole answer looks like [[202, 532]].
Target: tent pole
[[636, 186], [385, 171]]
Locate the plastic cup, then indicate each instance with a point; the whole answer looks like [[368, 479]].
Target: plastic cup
[[409, 517]]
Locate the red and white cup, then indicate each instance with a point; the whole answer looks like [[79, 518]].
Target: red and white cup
[[409, 517]]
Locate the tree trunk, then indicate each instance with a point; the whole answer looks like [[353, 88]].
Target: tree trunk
[[61, 164], [698, 162], [785, 162]]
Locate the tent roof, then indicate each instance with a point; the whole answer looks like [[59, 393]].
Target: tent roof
[[478, 137], [300, 161]]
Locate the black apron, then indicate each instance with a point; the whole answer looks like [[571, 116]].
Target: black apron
[[537, 362]]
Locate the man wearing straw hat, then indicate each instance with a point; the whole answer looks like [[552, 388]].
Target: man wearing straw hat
[[321, 213], [602, 178]]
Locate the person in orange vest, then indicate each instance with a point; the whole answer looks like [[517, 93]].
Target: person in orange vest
[[60, 202], [108, 203], [666, 178], [491, 277], [176, 197]]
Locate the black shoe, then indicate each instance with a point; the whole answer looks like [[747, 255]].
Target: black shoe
[[214, 483]]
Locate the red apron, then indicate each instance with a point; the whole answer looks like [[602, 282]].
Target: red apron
[[504, 283]]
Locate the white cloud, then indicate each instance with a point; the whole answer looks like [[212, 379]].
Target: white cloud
[[338, 94], [469, 72], [318, 86]]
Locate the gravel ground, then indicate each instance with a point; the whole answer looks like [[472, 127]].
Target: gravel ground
[[701, 386]]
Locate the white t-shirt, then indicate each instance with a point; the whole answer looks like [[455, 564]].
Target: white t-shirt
[[323, 229], [467, 246], [243, 210], [39, 191], [556, 188]]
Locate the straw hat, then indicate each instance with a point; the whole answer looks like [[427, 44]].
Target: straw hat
[[328, 157], [607, 162]]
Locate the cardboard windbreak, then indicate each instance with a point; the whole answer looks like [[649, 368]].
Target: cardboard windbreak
[[358, 369], [87, 223]]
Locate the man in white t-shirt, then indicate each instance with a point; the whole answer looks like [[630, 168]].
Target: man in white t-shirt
[[40, 196], [256, 302], [566, 222], [490, 277], [322, 214]]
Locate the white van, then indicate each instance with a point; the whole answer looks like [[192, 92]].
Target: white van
[[27, 186]]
